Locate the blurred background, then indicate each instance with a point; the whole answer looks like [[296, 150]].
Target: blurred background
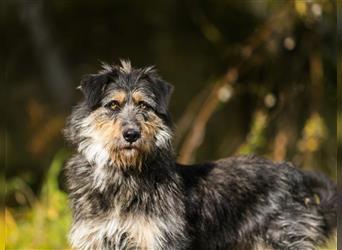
[[252, 76]]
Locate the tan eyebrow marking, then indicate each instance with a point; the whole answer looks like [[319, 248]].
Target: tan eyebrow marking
[[138, 96], [119, 96]]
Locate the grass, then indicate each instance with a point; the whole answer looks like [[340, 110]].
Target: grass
[[45, 224]]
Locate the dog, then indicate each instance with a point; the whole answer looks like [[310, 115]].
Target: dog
[[126, 190]]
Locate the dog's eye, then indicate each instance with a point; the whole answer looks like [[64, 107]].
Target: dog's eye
[[113, 105], [143, 105]]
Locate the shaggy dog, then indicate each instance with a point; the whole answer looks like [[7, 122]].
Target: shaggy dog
[[127, 191]]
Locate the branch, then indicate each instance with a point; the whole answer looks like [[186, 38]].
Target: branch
[[196, 135]]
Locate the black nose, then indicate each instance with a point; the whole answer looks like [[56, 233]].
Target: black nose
[[131, 135]]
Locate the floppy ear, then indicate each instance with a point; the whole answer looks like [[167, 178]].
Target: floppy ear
[[166, 91], [92, 86], [163, 88]]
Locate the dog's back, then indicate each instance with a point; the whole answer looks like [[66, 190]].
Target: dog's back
[[248, 202]]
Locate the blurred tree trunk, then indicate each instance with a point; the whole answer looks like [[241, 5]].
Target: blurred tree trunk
[[55, 71]]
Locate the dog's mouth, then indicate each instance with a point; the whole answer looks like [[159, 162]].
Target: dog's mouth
[[129, 148]]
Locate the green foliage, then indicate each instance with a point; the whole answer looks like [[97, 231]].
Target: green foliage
[[45, 224]]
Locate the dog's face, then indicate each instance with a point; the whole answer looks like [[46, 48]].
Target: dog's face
[[127, 119]]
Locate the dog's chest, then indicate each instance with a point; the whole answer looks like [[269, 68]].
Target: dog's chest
[[124, 232], [137, 232]]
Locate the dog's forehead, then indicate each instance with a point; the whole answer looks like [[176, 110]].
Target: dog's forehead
[[130, 86], [121, 93]]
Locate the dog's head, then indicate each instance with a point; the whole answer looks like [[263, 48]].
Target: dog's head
[[124, 118]]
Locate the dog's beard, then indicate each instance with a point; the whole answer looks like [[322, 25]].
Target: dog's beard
[[107, 161], [128, 158], [101, 154]]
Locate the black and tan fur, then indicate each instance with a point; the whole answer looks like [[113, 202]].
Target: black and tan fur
[[127, 191]]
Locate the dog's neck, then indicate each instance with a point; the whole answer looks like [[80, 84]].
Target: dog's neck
[[156, 168]]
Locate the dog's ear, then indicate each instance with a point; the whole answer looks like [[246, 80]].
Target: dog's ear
[[164, 89], [166, 92], [93, 86]]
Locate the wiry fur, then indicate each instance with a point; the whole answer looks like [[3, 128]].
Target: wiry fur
[[135, 196]]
